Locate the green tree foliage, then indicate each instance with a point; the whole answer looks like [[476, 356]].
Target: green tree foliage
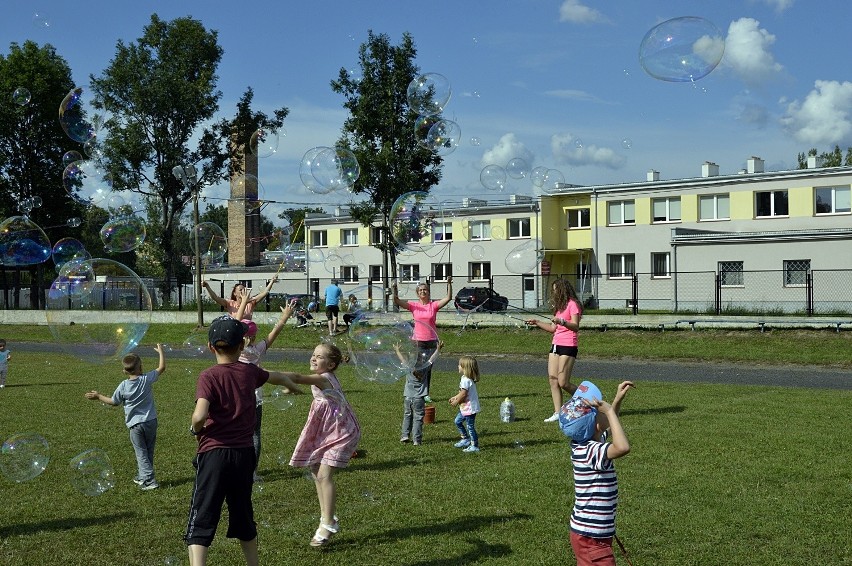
[[296, 218], [31, 140], [159, 91], [833, 158], [380, 131]]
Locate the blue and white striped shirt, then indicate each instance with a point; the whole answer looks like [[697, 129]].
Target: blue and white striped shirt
[[595, 490]]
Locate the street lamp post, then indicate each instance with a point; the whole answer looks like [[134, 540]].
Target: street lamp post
[[187, 175]]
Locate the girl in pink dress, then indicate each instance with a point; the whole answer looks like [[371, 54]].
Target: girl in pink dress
[[563, 349], [330, 435]]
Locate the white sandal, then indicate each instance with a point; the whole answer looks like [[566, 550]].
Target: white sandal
[[320, 540]]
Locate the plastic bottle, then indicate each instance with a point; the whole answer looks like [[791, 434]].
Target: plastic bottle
[[507, 411]]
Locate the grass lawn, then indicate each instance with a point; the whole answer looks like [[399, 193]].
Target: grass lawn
[[718, 474]]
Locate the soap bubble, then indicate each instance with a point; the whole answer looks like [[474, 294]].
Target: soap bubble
[[279, 398], [475, 141], [123, 233], [41, 21], [24, 456], [87, 182], [681, 49], [21, 96], [195, 344], [264, 142], [443, 137], [306, 168], [68, 249], [428, 94], [23, 242], [525, 257], [517, 168], [412, 219], [98, 310], [538, 176], [337, 403], [72, 116], [208, 240], [477, 252], [335, 168], [493, 178], [71, 156], [497, 233], [92, 473], [381, 347], [627, 143], [73, 222], [422, 125], [249, 187], [553, 179]]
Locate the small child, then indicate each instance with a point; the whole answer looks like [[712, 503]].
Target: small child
[[467, 400], [330, 436], [585, 418], [414, 403], [5, 356], [137, 395]]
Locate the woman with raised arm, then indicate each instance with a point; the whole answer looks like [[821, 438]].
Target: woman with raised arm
[[233, 304]]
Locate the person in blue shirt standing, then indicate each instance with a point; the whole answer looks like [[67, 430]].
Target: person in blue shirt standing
[[333, 295]]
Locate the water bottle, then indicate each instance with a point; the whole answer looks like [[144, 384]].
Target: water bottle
[[507, 411]]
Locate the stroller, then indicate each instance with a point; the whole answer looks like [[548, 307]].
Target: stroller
[[303, 314]]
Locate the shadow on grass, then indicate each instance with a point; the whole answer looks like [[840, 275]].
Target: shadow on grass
[[513, 396], [51, 383], [654, 411], [480, 551], [65, 524]]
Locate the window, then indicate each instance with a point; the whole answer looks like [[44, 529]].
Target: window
[[376, 273], [442, 231], [714, 207], [442, 271], [579, 218], [479, 270], [519, 228], [319, 238], [480, 229], [731, 274], [665, 209], [796, 272], [661, 264], [349, 237], [349, 273], [409, 272], [621, 265], [770, 203], [833, 200], [622, 212], [377, 235]]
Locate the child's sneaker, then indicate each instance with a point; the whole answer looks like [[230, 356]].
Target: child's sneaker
[[404, 439], [463, 443], [138, 481], [149, 485], [471, 448], [552, 418], [428, 399]]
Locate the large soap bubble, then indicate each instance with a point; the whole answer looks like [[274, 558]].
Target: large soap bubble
[[123, 233], [553, 179], [87, 182], [23, 242], [681, 49], [493, 178], [264, 142], [68, 249], [525, 257], [412, 219], [306, 169], [336, 168], [538, 175], [517, 168], [92, 473], [71, 156], [381, 347], [443, 137], [73, 118], [428, 94], [24, 456], [209, 241], [21, 96], [98, 309], [422, 126]]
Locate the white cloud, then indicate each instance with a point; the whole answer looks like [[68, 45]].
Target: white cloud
[[824, 117], [567, 150], [779, 5], [572, 94], [574, 11], [747, 51], [508, 147]]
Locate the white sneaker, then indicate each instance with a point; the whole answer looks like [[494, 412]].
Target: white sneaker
[[471, 448], [552, 418], [463, 443]]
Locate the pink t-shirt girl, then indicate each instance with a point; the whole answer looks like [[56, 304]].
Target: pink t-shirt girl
[[564, 336]]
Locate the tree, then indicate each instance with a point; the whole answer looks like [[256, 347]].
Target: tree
[[380, 131], [296, 218], [159, 91], [32, 142], [833, 158]]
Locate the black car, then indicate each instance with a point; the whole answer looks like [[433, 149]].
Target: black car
[[481, 299]]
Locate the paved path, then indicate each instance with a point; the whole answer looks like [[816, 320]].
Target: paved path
[[637, 370]]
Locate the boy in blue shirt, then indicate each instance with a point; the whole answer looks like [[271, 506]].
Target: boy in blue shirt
[[140, 415]]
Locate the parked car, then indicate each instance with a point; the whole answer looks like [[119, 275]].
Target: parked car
[[480, 299]]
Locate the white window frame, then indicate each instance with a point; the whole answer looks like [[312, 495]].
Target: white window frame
[[409, 272], [484, 268], [520, 229], [666, 259], [442, 232], [670, 215], [626, 213], [716, 200], [626, 266], [442, 271], [773, 204], [377, 235], [480, 230], [840, 200], [349, 273], [349, 236], [576, 214], [319, 238]]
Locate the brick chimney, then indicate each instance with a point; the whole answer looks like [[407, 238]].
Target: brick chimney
[[243, 212]]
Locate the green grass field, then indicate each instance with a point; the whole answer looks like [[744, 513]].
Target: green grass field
[[718, 474]]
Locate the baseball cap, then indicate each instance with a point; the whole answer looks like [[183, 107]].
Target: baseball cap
[[251, 327], [576, 419], [226, 331]]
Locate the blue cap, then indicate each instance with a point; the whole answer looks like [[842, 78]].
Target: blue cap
[[576, 419]]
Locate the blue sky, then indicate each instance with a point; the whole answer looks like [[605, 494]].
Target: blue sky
[[556, 82]]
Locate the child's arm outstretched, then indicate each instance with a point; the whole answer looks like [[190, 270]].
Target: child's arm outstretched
[[243, 296], [216, 298], [285, 380], [293, 377], [162, 367], [548, 326], [286, 313], [620, 394], [260, 296], [95, 396], [437, 351], [619, 446]]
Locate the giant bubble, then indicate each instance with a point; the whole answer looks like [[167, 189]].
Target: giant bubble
[[24, 456], [23, 242], [681, 49]]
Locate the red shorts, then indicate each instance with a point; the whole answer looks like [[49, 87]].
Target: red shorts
[[592, 551]]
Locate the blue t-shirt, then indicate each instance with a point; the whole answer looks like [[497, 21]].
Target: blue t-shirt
[[4, 358], [332, 295], [137, 396]]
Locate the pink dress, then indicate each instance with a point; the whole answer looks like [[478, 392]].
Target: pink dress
[[331, 433]]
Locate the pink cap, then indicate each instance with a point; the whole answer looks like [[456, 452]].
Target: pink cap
[[251, 328]]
